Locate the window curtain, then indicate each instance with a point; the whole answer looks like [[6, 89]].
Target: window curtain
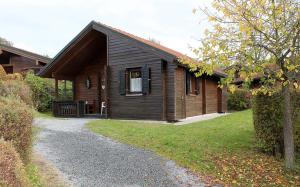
[[135, 84]]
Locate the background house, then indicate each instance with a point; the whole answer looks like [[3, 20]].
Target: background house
[[134, 77], [16, 60]]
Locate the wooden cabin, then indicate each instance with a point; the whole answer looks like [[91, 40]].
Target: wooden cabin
[[15, 60], [120, 75]]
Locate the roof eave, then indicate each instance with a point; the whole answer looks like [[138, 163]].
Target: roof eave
[[25, 53], [215, 73], [108, 31], [44, 71]]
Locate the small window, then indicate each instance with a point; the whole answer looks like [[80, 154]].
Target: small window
[[192, 84], [135, 80]]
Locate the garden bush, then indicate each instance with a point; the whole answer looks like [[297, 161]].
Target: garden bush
[[16, 125], [2, 73], [42, 91], [16, 88], [268, 121], [12, 171], [239, 100]]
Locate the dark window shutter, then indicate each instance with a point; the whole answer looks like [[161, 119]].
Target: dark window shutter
[[145, 79], [122, 82], [187, 82], [197, 85]]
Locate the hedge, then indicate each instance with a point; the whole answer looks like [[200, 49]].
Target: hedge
[[2, 73], [268, 121], [12, 171], [16, 88], [239, 100], [43, 91], [16, 125]]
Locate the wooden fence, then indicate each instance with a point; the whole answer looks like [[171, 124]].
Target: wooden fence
[[68, 108]]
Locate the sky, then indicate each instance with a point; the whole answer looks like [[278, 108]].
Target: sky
[[46, 26]]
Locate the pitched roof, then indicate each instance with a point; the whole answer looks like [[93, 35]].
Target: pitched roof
[[217, 72], [161, 50], [25, 53], [151, 43]]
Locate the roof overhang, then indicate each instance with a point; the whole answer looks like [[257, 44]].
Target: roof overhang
[[163, 52], [48, 69], [20, 52]]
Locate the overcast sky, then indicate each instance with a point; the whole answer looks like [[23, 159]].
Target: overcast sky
[[46, 26]]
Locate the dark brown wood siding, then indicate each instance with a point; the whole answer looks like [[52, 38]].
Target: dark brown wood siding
[[224, 99], [211, 95], [171, 93], [188, 105], [193, 105], [122, 56], [180, 93], [21, 64], [94, 72]]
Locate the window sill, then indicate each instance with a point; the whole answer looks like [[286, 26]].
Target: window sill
[[193, 95], [134, 94]]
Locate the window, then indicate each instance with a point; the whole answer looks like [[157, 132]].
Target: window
[[192, 84], [135, 80]]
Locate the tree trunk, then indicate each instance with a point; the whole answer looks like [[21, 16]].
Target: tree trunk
[[288, 135]]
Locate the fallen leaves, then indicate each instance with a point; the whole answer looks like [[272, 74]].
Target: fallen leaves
[[252, 169]]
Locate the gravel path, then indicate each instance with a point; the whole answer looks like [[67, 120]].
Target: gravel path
[[87, 159], [202, 117]]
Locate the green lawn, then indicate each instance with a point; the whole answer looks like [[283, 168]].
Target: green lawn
[[221, 148], [43, 114], [33, 175]]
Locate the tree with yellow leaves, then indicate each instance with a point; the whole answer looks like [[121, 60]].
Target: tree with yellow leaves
[[256, 38]]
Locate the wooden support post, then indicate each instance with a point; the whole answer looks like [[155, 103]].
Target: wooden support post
[[65, 89], [78, 109], [56, 89], [104, 90], [73, 89], [204, 95], [219, 94]]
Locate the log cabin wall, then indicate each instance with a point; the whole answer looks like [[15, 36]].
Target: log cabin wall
[[18, 64], [171, 95], [4, 60], [22, 63], [187, 105], [224, 100], [122, 56], [180, 93], [211, 95], [193, 105], [94, 71]]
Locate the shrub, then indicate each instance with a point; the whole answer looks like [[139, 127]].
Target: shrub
[[268, 120], [239, 100], [15, 76], [42, 91], [12, 171], [2, 73], [16, 88], [16, 125]]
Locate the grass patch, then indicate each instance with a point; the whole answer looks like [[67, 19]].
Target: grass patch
[[222, 148], [33, 175], [47, 114]]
